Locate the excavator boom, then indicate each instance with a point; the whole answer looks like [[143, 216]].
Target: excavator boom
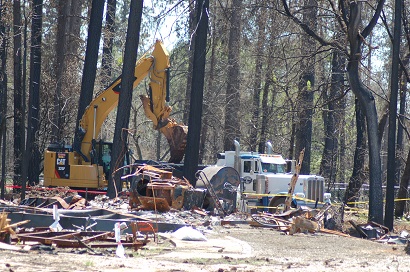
[[87, 165], [154, 65]]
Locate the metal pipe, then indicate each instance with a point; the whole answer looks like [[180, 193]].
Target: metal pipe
[[167, 87], [95, 122], [237, 147], [269, 147], [237, 161]]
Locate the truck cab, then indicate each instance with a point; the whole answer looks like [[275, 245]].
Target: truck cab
[[252, 164], [270, 174]]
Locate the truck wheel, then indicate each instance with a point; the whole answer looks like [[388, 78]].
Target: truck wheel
[[279, 202], [276, 202]]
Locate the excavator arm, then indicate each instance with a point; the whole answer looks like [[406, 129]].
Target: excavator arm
[[154, 65]]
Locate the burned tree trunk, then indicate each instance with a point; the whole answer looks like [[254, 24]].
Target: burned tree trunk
[[19, 127], [125, 96], [332, 118], [31, 154], [358, 175], [257, 88], [303, 136], [3, 99], [193, 138], [107, 58], [232, 122], [90, 65]]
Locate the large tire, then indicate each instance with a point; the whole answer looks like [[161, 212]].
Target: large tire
[[279, 201], [275, 203], [139, 185]]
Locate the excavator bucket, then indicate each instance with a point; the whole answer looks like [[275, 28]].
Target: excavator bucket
[[176, 135]]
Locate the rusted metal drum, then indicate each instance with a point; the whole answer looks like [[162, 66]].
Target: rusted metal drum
[[225, 182]]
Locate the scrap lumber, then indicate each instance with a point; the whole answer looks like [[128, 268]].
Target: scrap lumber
[[290, 213], [301, 224], [6, 227], [160, 190], [15, 225], [319, 216], [334, 232], [277, 217], [3, 220]]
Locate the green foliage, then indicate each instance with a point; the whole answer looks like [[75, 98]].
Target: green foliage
[[308, 85]]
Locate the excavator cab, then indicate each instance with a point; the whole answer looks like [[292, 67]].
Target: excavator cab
[[102, 151], [103, 156]]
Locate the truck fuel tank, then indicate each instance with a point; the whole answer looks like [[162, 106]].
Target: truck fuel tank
[[260, 185]]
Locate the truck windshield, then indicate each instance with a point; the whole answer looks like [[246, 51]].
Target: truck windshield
[[273, 168]]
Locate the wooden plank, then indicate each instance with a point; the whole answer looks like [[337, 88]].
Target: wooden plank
[[293, 181], [3, 219], [19, 223], [334, 232]]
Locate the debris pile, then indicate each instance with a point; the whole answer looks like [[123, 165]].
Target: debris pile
[[301, 220], [43, 192], [104, 202], [328, 219], [370, 230], [158, 202], [85, 239], [158, 190]]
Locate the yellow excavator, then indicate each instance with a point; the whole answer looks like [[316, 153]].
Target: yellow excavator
[[87, 166]]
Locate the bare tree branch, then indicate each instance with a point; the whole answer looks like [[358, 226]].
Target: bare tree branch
[[309, 31]]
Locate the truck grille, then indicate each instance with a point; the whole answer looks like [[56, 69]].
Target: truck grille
[[315, 189]]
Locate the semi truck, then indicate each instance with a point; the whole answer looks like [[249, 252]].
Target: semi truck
[[265, 178]]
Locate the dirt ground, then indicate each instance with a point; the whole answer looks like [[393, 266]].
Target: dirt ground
[[229, 248]]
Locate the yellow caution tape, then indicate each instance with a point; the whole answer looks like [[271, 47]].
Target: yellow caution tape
[[313, 201], [261, 207], [254, 194], [367, 202], [401, 199]]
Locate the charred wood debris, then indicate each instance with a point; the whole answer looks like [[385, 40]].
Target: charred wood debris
[[156, 201]]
